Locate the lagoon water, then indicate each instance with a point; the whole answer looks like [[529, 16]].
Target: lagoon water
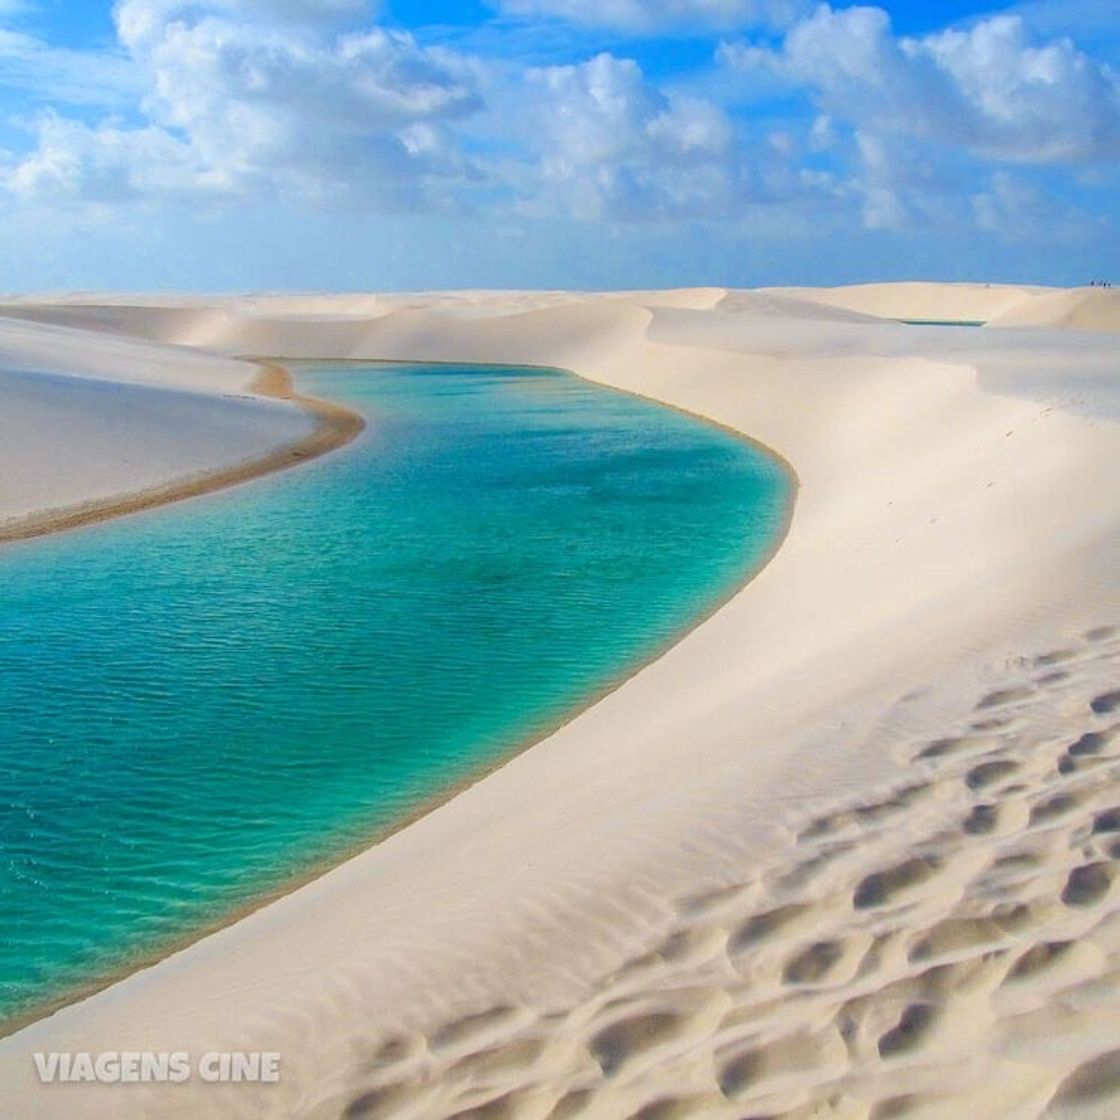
[[200, 704]]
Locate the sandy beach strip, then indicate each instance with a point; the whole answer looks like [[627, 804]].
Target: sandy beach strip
[[90, 432], [849, 849]]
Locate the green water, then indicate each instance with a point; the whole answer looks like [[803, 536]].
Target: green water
[[200, 703], [944, 322]]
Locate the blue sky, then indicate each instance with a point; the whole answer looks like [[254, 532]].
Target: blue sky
[[339, 144]]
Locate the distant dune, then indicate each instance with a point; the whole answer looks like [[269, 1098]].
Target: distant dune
[[1093, 309]]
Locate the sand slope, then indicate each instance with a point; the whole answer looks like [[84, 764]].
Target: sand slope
[[849, 849], [916, 300], [94, 425], [1095, 309]]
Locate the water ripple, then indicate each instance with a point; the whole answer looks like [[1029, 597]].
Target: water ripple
[[201, 702]]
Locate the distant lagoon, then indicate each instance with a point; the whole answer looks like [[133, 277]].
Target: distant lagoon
[[202, 704], [944, 322]]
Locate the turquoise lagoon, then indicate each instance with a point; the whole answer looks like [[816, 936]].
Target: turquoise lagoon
[[201, 704]]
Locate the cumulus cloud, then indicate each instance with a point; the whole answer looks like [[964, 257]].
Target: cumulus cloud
[[104, 164], [248, 98], [312, 103], [611, 144], [1006, 205], [308, 102], [652, 16], [990, 89]]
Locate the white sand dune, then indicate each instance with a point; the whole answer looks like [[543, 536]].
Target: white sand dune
[[93, 425], [1095, 309], [914, 300], [850, 849]]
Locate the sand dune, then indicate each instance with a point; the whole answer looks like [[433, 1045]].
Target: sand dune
[[849, 849], [854, 975], [96, 425], [915, 300], [1095, 309]]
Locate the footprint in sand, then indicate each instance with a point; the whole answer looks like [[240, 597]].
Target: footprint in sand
[[883, 887], [912, 1029], [982, 820], [1004, 696], [800, 874], [1048, 679], [1052, 808], [389, 1100], [1087, 885], [961, 744], [760, 927], [988, 773], [1092, 743], [670, 1108], [1038, 958], [896, 1108], [395, 1051], [996, 723], [953, 936], [877, 811], [1106, 703], [825, 826], [616, 1045], [1096, 1082], [1084, 763], [1108, 821], [819, 1055], [813, 964], [1101, 634]]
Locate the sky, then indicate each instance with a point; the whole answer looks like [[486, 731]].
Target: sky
[[234, 145]]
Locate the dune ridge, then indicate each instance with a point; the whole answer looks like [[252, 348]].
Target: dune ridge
[[95, 431], [848, 849]]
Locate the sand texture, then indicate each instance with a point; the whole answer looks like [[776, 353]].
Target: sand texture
[[850, 849]]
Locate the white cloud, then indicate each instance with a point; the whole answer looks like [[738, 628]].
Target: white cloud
[[242, 100], [1035, 104], [652, 16], [919, 124], [105, 164], [268, 103], [1010, 207], [76, 77], [140, 19], [30, 64], [612, 145], [990, 89], [309, 103], [901, 183]]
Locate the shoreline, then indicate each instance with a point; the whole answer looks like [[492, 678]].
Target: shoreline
[[336, 426], [276, 380]]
